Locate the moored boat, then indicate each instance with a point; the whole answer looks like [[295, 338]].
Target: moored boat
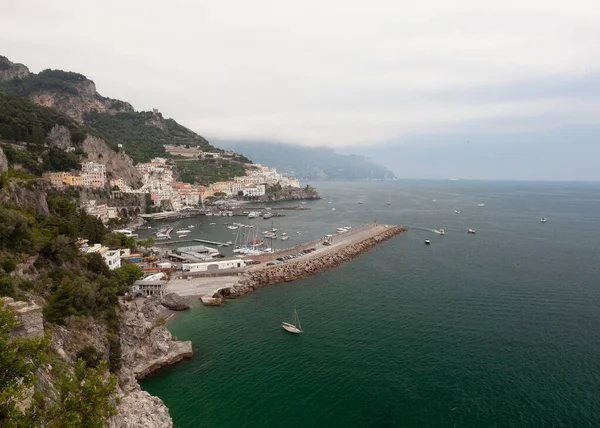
[[472, 231], [427, 241], [543, 220]]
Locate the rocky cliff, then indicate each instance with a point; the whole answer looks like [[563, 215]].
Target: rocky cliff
[[290, 194], [146, 345], [118, 164], [31, 194], [10, 70]]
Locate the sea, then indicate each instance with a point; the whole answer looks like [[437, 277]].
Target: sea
[[500, 328]]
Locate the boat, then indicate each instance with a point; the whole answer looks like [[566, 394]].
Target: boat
[[360, 202], [389, 202], [427, 241], [267, 215], [162, 236], [182, 236], [232, 227], [543, 220], [283, 234], [191, 226], [433, 200], [183, 231], [126, 232], [329, 199], [333, 209], [471, 231], [285, 238], [209, 213], [440, 231], [456, 212], [481, 205], [253, 214], [212, 224], [293, 328], [149, 227]]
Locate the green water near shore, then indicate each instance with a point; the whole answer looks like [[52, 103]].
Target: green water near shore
[[501, 328]]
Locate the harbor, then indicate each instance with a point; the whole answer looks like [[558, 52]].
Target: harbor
[[308, 258]]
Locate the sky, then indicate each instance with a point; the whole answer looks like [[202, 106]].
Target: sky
[[388, 79]]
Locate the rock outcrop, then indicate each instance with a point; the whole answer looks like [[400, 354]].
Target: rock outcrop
[[10, 70], [174, 302], [32, 195], [3, 162], [290, 194], [29, 318], [146, 343], [60, 136], [82, 100], [139, 409], [117, 164]]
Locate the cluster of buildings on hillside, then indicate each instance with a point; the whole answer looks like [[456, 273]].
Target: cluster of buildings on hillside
[[197, 153], [158, 181], [92, 175]]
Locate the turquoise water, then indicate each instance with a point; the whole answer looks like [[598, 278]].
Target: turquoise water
[[500, 328]]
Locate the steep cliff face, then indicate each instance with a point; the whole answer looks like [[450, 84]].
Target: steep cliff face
[[33, 195], [10, 70], [117, 164], [84, 100]]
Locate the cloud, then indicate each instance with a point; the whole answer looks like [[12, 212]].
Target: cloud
[[333, 73]]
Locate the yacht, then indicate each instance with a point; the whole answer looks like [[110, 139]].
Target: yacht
[[162, 236], [293, 328], [126, 232], [543, 220], [182, 231], [471, 231]]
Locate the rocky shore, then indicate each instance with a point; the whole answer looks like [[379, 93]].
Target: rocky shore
[[303, 267]]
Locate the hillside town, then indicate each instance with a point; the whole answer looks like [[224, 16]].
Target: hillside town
[[159, 182]]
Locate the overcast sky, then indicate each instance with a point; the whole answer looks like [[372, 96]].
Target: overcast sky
[[358, 74]]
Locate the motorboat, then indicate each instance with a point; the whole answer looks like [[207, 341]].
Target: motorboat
[[472, 231], [182, 231], [267, 215], [456, 212], [182, 236], [427, 241], [333, 209], [285, 238], [253, 214], [232, 227], [481, 205], [440, 231], [543, 220], [293, 328], [360, 202]]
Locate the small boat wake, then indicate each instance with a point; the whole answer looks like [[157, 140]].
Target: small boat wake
[[426, 229]]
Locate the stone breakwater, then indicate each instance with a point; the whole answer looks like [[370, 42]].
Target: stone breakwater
[[311, 264]]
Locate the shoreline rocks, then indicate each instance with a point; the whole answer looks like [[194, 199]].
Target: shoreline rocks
[[174, 302]]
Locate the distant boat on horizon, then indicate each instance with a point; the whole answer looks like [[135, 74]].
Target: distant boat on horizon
[[329, 199], [389, 202], [543, 220], [481, 205]]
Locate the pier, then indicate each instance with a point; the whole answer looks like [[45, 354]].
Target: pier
[[268, 270], [206, 241]]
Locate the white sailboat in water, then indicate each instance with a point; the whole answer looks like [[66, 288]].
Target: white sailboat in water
[[293, 328]]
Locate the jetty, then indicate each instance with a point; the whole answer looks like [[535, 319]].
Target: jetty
[[310, 258], [206, 241]]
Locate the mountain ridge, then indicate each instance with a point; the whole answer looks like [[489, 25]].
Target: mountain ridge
[[311, 163]]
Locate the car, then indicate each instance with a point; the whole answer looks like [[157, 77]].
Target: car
[[280, 259], [256, 262]]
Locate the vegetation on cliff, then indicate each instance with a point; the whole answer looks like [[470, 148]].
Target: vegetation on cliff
[[144, 134], [22, 120], [84, 396]]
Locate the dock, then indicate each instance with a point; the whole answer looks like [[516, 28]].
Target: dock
[[206, 241]]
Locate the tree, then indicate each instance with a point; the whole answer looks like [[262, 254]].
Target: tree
[[220, 194], [148, 242], [85, 398]]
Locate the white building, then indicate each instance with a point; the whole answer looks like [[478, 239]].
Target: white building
[[213, 266], [258, 190], [112, 258]]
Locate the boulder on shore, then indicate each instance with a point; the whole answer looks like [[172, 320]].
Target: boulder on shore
[[174, 302]]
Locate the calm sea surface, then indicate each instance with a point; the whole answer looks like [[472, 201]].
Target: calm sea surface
[[500, 328]]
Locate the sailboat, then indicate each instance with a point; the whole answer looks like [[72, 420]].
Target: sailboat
[[329, 199], [293, 328], [389, 202]]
